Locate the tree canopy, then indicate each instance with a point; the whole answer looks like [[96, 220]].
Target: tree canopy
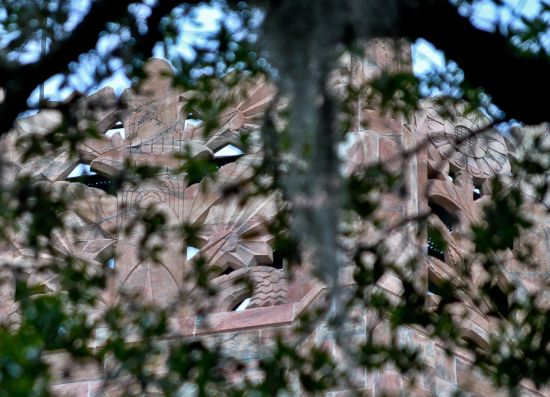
[[295, 84]]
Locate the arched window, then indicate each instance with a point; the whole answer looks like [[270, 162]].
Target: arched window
[[435, 248]]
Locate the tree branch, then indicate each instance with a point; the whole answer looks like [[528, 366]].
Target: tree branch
[[80, 41], [487, 59], [154, 34]]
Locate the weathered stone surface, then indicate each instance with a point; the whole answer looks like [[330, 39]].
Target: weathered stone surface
[[234, 239], [462, 139]]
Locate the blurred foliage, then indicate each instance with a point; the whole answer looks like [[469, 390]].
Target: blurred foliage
[[129, 342]]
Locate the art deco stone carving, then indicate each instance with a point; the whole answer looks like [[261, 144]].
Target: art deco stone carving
[[245, 116], [100, 225], [269, 287], [236, 236], [233, 239], [461, 138], [153, 106]]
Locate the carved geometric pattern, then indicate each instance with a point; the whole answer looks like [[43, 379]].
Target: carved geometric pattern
[[54, 165], [93, 205], [163, 190], [153, 106], [251, 103], [269, 287], [457, 197], [151, 282], [482, 154], [236, 236]]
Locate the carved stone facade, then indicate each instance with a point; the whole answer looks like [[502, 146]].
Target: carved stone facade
[[449, 176]]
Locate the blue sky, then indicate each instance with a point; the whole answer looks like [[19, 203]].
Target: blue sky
[[485, 16]]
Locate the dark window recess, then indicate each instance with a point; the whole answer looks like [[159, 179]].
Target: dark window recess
[[221, 161], [446, 217], [477, 191], [227, 271], [434, 288], [432, 173], [278, 260], [499, 300], [477, 194], [97, 181], [435, 250], [242, 305], [452, 175]]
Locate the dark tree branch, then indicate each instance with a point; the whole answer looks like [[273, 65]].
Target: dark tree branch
[[83, 39], [154, 34], [487, 59], [513, 80], [6, 72]]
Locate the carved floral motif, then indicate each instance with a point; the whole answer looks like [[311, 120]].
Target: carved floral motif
[[236, 236], [463, 141], [100, 225]]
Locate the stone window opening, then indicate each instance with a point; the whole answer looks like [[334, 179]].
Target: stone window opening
[[435, 250], [227, 154], [84, 173], [118, 127], [449, 220], [191, 121], [477, 191], [242, 305], [80, 170], [111, 263], [434, 288], [451, 176], [190, 252], [445, 216], [279, 262], [228, 270]]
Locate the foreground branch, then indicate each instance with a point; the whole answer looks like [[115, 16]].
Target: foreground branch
[[487, 59], [25, 78]]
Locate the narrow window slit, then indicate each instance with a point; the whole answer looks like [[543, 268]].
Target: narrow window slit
[[242, 305], [83, 173], [191, 252]]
